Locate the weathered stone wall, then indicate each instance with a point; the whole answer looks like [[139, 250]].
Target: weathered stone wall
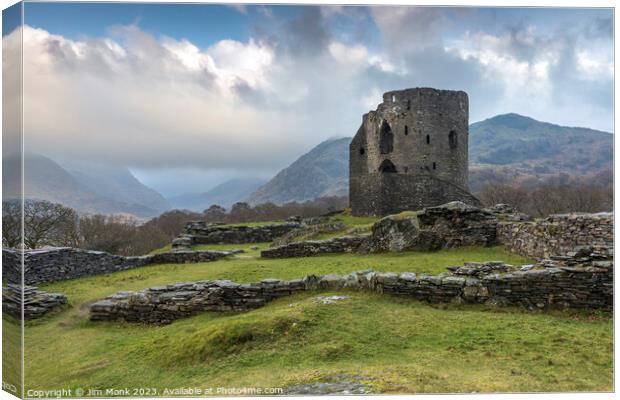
[[11, 265], [200, 232], [581, 281], [164, 304], [36, 302], [412, 152], [308, 248], [558, 234], [58, 264]]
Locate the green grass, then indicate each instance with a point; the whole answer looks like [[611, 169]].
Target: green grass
[[11, 354], [355, 222], [402, 346], [253, 268]]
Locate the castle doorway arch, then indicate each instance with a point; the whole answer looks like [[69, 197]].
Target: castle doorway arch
[[387, 167]]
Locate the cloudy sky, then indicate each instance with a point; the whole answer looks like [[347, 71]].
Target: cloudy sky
[[190, 95]]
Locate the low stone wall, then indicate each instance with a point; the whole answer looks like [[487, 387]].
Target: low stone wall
[[62, 263], [581, 281], [308, 248], [559, 234], [200, 232], [164, 304], [36, 302], [12, 265]]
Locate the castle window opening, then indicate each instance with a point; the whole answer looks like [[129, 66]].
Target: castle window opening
[[362, 151], [408, 104], [452, 139], [434, 165], [387, 167], [406, 130], [428, 139], [386, 139]]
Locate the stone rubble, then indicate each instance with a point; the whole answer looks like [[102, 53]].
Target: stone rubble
[[200, 232], [36, 302], [330, 299], [339, 384], [308, 248], [581, 279]]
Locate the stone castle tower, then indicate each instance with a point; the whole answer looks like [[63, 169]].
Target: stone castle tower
[[412, 152]]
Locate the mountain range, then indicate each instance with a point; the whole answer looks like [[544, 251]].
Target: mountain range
[[86, 188], [505, 148]]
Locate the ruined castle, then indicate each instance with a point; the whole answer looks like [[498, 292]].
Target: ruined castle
[[411, 153]]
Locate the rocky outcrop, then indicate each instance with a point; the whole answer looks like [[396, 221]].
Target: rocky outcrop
[[36, 302], [308, 248], [450, 225], [396, 233], [457, 224], [62, 263], [559, 234], [583, 279], [200, 232]]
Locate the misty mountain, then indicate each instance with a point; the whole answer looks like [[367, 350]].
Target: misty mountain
[[46, 180], [117, 183], [323, 171], [224, 194], [505, 148]]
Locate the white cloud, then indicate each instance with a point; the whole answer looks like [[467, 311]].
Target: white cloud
[[594, 64], [518, 76], [146, 102], [344, 54], [248, 62]]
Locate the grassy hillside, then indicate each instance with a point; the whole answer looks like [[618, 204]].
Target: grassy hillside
[[396, 345]]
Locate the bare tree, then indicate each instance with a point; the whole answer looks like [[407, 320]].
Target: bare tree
[[49, 224], [172, 222], [11, 223], [107, 233], [559, 194], [215, 213]]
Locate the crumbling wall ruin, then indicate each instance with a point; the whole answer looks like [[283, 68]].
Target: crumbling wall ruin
[[308, 248], [559, 234], [36, 302], [200, 232], [581, 280], [62, 263]]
